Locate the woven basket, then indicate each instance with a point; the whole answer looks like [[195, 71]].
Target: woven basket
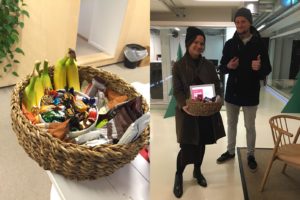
[[200, 108], [72, 160]]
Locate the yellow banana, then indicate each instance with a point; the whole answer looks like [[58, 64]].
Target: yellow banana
[[38, 85], [45, 77], [72, 71], [29, 96], [60, 77]]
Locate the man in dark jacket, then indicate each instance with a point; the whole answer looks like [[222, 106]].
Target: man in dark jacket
[[246, 60]]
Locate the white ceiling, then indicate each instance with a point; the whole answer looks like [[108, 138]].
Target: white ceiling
[[159, 6]]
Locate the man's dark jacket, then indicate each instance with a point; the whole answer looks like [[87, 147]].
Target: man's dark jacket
[[243, 83]]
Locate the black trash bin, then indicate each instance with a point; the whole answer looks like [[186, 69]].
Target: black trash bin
[[133, 54]]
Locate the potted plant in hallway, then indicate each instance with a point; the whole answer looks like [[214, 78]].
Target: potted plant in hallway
[[11, 21]]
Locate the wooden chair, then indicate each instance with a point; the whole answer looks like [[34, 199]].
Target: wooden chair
[[286, 148]]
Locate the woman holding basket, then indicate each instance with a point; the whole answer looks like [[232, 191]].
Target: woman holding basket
[[194, 132]]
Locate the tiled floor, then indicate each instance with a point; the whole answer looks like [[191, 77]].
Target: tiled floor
[[224, 182]]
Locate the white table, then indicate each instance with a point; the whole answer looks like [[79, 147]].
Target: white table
[[129, 182]]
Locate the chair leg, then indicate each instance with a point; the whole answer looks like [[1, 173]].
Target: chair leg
[[266, 175], [284, 167]]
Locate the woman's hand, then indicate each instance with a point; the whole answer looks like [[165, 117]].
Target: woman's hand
[[186, 109], [218, 98]]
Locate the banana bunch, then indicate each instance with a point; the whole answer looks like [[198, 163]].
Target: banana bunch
[[66, 72], [38, 85], [45, 76], [72, 71], [29, 97], [60, 74]]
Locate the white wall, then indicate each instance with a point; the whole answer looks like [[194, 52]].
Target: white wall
[[213, 48], [155, 46], [200, 14], [229, 33], [85, 17], [105, 30]]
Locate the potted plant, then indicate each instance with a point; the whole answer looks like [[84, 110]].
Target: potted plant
[[11, 20]]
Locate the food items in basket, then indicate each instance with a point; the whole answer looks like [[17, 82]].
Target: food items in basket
[[57, 129], [79, 109], [114, 98], [97, 84], [207, 107], [202, 91]]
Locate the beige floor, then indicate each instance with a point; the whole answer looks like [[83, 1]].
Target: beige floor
[[83, 48], [224, 182], [20, 177]]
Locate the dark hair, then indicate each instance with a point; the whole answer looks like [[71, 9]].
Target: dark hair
[[191, 34]]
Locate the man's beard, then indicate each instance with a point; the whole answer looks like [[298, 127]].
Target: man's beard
[[242, 33]]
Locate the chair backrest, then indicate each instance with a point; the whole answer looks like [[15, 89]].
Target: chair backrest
[[285, 129]]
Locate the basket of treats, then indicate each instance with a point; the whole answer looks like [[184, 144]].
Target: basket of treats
[[80, 122], [203, 101]]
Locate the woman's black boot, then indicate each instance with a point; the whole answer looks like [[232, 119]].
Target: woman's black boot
[[177, 190], [200, 178]]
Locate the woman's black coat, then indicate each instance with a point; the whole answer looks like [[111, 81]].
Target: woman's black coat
[[190, 129]]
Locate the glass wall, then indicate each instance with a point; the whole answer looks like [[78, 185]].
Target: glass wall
[[284, 51]]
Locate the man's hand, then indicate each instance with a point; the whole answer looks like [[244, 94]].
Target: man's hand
[[185, 108], [233, 63], [256, 64]]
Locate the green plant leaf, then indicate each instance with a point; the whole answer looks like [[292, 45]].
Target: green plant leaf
[[15, 31], [15, 37], [24, 12], [8, 28], [15, 73], [18, 50], [21, 24], [2, 54], [11, 16]]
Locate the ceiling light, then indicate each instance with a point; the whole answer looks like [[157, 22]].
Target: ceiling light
[[262, 26], [251, 7]]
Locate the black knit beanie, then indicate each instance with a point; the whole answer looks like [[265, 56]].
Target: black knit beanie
[[244, 12], [191, 34]]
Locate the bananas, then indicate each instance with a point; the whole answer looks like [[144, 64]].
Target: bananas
[[72, 71], [65, 75], [38, 85], [29, 96], [60, 76], [45, 77], [66, 72]]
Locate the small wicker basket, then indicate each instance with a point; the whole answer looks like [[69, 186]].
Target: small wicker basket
[[72, 160], [200, 108]]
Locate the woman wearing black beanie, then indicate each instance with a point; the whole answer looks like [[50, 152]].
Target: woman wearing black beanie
[[193, 132]]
